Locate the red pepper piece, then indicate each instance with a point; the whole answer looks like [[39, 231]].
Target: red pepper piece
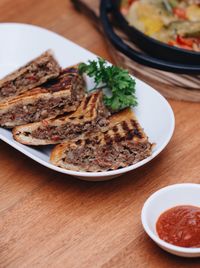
[[185, 41], [55, 138], [180, 12]]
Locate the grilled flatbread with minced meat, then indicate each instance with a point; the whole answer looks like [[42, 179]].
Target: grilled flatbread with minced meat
[[124, 144], [33, 74], [60, 95], [91, 116]]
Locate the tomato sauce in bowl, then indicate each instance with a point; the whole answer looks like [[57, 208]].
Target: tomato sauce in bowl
[[180, 226]]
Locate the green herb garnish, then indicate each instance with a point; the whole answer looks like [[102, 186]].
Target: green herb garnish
[[117, 80], [167, 6], [173, 3]]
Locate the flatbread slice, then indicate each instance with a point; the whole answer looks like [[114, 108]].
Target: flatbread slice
[[56, 97], [33, 74], [124, 144], [91, 116]]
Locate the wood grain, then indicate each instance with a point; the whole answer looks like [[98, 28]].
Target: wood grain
[[49, 219]]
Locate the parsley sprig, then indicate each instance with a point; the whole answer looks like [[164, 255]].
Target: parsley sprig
[[117, 80]]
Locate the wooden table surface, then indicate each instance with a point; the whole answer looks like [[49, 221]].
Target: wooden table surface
[[52, 220]]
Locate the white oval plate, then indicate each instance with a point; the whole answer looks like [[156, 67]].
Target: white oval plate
[[21, 42]]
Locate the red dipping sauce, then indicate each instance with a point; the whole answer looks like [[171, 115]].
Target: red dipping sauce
[[180, 226]]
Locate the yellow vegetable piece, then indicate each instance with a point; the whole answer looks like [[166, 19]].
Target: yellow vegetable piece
[[152, 25], [193, 13], [145, 17]]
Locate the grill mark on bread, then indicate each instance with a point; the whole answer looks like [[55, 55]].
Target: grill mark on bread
[[62, 82], [115, 129], [108, 139], [130, 135], [71, 70], [126, 130], [78, 142], [137, 131], [61, 119], [72, 117], [125, 126], [87, 99], [87, 141], [117, 137], [93, 103]]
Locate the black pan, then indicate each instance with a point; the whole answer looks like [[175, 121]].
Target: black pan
[[159, 55]]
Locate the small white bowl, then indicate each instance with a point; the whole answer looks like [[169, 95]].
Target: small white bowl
[[160, 201]]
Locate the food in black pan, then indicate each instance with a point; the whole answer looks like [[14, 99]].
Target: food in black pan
[[175, 22]]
